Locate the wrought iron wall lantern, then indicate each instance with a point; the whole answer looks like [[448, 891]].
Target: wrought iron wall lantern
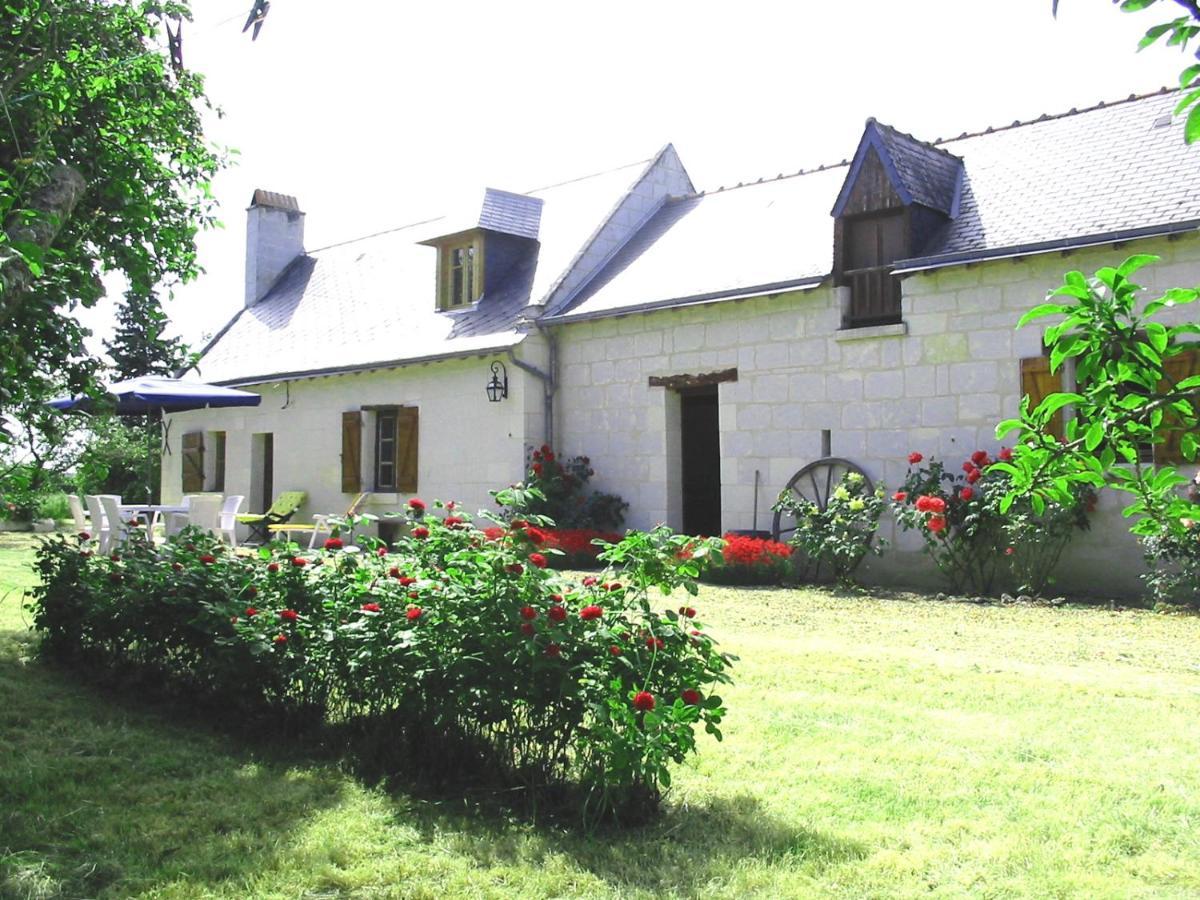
[[497, 388]]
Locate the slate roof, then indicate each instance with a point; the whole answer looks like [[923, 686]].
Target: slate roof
[[1088, 176], [931, 175], [370, 303]]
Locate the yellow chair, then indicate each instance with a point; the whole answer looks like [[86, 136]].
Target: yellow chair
[[281, 510], [320, 523]]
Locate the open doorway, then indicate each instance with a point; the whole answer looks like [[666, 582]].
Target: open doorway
[[700, 452]]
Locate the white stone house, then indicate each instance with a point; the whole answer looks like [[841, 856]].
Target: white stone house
[[863, 309]]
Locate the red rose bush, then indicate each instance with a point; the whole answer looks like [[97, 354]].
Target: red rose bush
[[452, 650]]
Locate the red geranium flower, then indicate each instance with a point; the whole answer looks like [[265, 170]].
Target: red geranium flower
[[299, 562], [590, 612], [937, 524], [370, 607], [289, 615], [280, 638], [273, 567], [900, 496], [535, 535], [333, 543], [979, 457], [553, 650], [208, 559], [414, 613], [914, 458], [614, 650], [527, 629], [1009, 551], [537, 468], [643, 701], [556, 598], [967, 493], [691, 697], [538, 560], [251, 612], [556, 613], [528, 612], [420, 532], [416, 504], [514, 568]]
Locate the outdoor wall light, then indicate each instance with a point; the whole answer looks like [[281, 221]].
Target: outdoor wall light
[[497, 388]]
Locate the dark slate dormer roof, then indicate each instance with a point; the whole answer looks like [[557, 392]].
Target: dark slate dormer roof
[[919, 172], [509, 213], [1086, 177]]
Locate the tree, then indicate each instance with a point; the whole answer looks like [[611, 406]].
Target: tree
[[103, 168]]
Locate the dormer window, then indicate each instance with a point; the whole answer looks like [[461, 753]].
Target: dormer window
[[460, 272]]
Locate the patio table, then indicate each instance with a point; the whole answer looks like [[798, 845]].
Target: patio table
[[152, 512]]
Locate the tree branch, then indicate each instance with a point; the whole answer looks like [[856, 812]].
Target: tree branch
[[52, 205]]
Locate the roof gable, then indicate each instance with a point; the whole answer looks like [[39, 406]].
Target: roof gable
[[916, 171]]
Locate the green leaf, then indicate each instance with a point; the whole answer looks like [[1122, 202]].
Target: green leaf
[[1095, 434], [1191, 128], [1188, 75], [1042, 310], [1153, 34], [1054, 403], [1006, 426], [1135, 262], [1039, 504], [1135, 5]]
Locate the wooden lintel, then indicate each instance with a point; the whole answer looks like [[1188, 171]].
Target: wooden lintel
[[681, 382]]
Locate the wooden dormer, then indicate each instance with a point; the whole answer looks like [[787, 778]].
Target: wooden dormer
[[898, 193]]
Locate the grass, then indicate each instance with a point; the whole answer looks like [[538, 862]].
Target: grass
[[875, 748]]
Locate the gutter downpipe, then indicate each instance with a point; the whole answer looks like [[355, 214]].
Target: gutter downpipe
[[548, 379]]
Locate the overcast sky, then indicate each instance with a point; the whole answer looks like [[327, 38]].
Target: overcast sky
[[375, 114]]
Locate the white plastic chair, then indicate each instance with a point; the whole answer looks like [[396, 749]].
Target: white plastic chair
[[229, 511], [99, 529], [173, 522], [77, 513], [118, 528], [205, 512]]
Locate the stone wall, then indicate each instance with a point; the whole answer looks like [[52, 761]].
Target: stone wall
[[938, 384]]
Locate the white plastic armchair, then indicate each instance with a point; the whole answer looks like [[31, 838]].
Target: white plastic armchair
[[117, 529], [77, 513], [99, 529], [204, 511], [229, 511]]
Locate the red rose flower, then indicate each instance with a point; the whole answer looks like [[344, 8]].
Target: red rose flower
[[453, 522], [208, 559], [420, 532], [273, 567], [654, 643], [614, 650], [979, 458], [588, 613], [589, 580], [528, 612], [537, 468], [382, 551], [370, 607], [538, 560], [289, 615], [333, 543], [299, 562], [615, 586], [406, 580], [416, 504], [514, 568], [251, 612], [414, 613], [280, 638], [643, 701], [1005, 454], [973, 476], [914, 458], [177, 566], [413, 595], [394, 572], [527, 629], [967, 493], [968, 467], [926, 503], [553, 650], [556, 613], [690, 697], [84, 536], [535, 535], [687, 611], [556, 598], [937, 524], [900, 496], [1009, 551]]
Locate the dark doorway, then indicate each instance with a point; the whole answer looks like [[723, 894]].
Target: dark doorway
[[701, 451], [268, 488]]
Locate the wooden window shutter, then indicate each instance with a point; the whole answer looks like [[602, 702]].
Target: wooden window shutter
[[1176, 368], [193, 462], [406, 449], [1039, 383], [351, 452]]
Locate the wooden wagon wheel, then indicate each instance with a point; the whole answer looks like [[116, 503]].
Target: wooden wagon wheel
[[814, 483]]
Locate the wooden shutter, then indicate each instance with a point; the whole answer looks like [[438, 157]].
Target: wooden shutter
[[351, 452], [1039, 383], [193, 462], [406, 449], [1176, 368]]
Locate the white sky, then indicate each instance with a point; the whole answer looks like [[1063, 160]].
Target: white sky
[[375, 114]]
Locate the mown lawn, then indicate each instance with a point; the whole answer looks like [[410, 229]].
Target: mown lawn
[[875, 748]]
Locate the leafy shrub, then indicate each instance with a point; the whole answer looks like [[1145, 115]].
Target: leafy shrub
[[840, 535], [559, 492], [450, 650], [577, 547], [750, 560], [972, 539]]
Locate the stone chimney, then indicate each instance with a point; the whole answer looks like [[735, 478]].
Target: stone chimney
[[274, 238]]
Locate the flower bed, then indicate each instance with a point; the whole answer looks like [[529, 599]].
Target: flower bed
[[450, 648], [750, 560]]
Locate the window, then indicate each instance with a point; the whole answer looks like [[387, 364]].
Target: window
[[460, 273], [393, 449], [872, 243]]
